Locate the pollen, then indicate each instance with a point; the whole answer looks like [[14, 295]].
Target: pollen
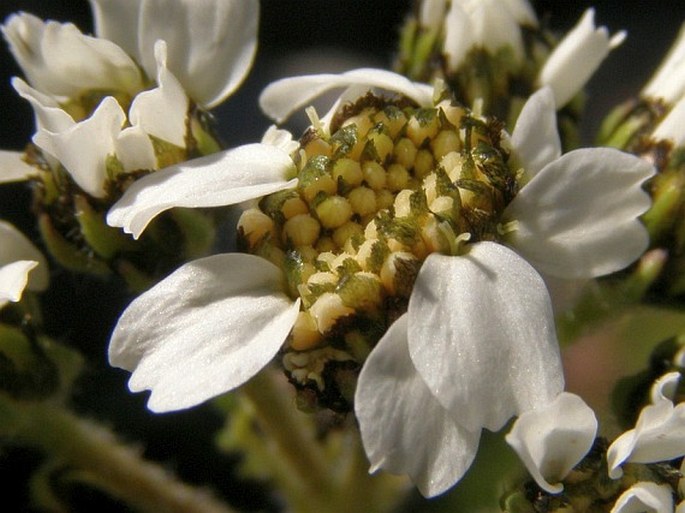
[[380, 189]]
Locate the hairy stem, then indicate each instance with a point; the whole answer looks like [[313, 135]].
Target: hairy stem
[[94, 450]]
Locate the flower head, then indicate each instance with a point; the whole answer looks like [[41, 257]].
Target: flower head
[[390, 227], [85, 89], [115, 106]]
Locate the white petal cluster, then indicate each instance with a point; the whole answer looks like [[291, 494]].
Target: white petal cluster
[[461, 359], [659, 433], [21, 265], [200, 49], [577, 57]]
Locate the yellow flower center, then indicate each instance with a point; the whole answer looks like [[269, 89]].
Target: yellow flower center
[[386, 188]]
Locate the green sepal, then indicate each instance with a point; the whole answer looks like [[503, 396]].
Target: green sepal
[[667, 199], [516, 502], [617, 129], [205, 142], [136, 280], [105, 240], [68, 255], [167, 154], [35, 367], [197, 229]]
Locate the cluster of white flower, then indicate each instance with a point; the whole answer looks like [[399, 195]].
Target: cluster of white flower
[[139, 72]]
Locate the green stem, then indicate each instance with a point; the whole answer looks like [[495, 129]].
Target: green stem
[[278, 417], [90, 448], [325, 475]]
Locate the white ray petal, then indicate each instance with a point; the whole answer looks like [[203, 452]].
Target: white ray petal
[[672, 127], [577, 218], [134, 150], [204, 330], [162, 111], [211, 43], [659, 434], [15, 246], [551, 440], [404, 428], [13, 168], [83, 149], [535, 137], [13, 280], [459, 36], [577, 57], [225, 178], [645, 497], [283, 97], [668, 83], [118, 20], [49, 115], [59, 60], [481, 334]]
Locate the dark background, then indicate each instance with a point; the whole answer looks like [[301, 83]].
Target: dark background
[[296, 37]]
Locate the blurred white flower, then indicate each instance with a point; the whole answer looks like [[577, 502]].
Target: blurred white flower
[[668, 83], [21, 265], [577, 57], [551, 440], [667, 86], [659, 433], [487, 24], [441, 373]]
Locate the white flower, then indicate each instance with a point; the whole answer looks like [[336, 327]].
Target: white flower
[[488, 24], [645, 497], [461, 359], [21, 265], [552, 440], [659, 433], [209, 45], [577, 57], [668, 83]]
